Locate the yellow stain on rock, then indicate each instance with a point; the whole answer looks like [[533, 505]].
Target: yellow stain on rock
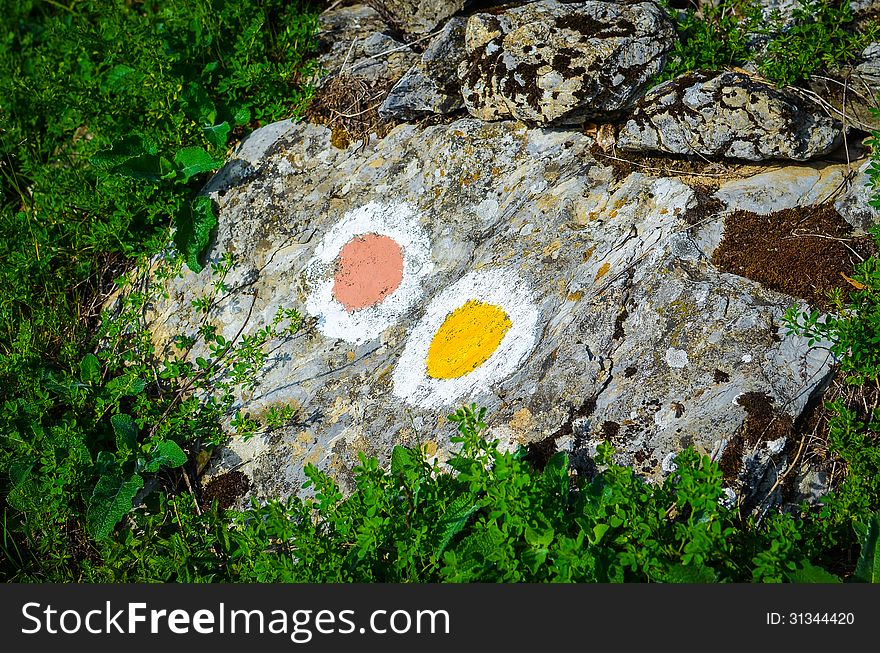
[[603, 270], [466, 339]]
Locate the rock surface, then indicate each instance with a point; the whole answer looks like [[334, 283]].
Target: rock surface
[[505, 266], [853, 205], [354, 40], [553, 62], [416, 17], [431, 85], [731, 115]]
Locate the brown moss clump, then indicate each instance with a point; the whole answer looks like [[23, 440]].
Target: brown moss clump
[[349, 106], [226, 488], [803, 252]]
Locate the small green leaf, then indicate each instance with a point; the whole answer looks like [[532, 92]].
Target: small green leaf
[[90, 369], [194, 224], [191, 161], [126, 431], [126, 385], [110, 502], [868, 567], [166, 454], [218, 134]]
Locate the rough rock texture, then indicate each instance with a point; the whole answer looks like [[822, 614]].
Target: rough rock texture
[[613, 323], [416, 16], [853, 204], [730, 115], [431, 85], [553, 62], [355, 40]]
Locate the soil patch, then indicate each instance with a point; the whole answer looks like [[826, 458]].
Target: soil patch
[[660, 165], [226, 488], [803, 252]]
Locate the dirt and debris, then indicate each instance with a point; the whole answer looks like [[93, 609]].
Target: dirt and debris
[[350, 108], [764, 423], [226, 488], [803, 252]]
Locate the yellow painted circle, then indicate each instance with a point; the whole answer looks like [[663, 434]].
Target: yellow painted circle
[[466, 339]]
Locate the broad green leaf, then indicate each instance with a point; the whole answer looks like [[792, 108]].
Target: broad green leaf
[[809, 573], [110, 502], [23, 491], [218, 134], [124, 150], [194, 224], [194, 160], [402, 459], [454, 519], [868, 567], [599, 531], [126, 431], [90, 369], [539, 539], [198, 105], [120, 76], [242, 116], [126, 385], [166, 454]]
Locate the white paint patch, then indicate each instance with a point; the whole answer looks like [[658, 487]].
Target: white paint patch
[[500, 287], [676, 358], [747, 358], [396, 221]]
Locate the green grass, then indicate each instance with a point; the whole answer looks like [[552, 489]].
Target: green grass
[[111, 116], [111, 113], [820, 38]]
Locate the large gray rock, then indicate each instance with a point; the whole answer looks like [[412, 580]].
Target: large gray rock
[[431, 86], [732, 115], [554, 62], [416, 17], [482, 262]]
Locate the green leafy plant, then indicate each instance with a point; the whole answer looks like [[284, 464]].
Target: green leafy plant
[[732, 33]]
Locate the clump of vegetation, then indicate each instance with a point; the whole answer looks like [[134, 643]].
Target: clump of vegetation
[[112, 113], [818, 37]]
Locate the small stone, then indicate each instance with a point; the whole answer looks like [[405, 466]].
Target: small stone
[[431, 86], [731, 115]]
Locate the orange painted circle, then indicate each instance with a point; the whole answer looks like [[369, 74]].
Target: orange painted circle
[[368, 269]]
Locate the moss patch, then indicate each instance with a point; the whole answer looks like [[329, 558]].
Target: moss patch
[[800, 252]]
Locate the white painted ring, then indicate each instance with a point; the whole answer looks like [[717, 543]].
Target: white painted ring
[[396, 221], [500, 287]]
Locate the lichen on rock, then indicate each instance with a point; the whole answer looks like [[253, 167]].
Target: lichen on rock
[[553, 62], [731, 114]]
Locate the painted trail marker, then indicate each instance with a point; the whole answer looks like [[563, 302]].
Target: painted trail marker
[[474, 334], [367, 271]]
